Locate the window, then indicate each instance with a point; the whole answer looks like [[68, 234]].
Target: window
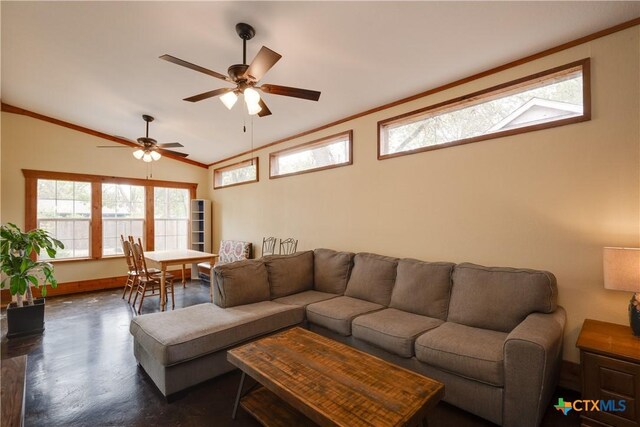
[[122, 214], [238, 173], [171, 215], [88, 213], [331, 152], [552, 98], [64, 210]]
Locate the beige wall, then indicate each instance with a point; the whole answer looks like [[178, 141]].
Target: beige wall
[[547, 200], [28, 143]]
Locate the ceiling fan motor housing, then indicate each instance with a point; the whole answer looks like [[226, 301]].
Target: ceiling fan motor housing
[[236, 72]]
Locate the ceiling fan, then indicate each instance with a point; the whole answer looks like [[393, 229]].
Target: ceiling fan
[[246, 77], [148, 148]]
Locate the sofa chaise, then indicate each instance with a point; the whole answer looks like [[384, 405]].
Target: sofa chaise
[[492, 335]]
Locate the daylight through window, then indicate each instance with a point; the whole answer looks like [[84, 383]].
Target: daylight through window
[[122, 215], [64, 210], [330, 152], [238, 173], [171, 213], [552, 98]]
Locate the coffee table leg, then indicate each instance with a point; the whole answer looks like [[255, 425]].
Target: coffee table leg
[[238, 396]]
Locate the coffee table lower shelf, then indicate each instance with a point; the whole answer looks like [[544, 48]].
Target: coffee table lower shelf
[[271, 411]]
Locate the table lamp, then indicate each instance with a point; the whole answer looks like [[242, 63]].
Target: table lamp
[[622, 273]]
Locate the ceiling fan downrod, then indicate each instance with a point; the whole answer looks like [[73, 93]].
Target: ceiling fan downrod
[[246, 32]]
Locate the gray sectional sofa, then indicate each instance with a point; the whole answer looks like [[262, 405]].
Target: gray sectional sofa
[[493, 336]]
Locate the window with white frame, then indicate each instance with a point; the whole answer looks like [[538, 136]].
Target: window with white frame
[[123, 213], [64, 210], [551, 98], [171, 217]]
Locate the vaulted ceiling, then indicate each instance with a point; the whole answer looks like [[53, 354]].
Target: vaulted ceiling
[[96, 64]]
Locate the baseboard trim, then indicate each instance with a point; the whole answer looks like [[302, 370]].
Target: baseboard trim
[[81, 286]]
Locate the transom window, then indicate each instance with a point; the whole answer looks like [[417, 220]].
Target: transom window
[[238, 173], [122, 215], [331, 152], [64, 210], [552, 98]]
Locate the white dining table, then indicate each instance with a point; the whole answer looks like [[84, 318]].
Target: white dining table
[[177, 257]]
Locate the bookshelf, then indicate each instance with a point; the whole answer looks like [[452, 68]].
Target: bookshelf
[[200, 229]]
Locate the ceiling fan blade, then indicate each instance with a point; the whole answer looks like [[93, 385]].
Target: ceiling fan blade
[[170, 145], [295, 92], [265, 110], [126, 139], [195, 67], [209, 94], [264, 60], [175, 153], [113, 146]]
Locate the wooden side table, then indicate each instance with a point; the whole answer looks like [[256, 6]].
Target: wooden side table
[[14, 374], [610, 364]]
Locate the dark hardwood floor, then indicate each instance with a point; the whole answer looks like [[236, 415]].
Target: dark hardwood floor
[[82, 372]]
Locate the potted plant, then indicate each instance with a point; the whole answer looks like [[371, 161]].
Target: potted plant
[[22, 271]]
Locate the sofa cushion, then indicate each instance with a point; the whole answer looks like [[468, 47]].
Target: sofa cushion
[[233, 250], [393, 330], [290, 274], [331, 270], [305, 298], [499, 298], [337, 314], [241, 282], [179, 335], [372, 278], [469, 352], [423, 287]]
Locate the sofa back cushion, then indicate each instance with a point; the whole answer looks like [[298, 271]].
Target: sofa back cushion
[[499, 298], [290, 274], [239, 283], [372, 278], [423, 287], [331, 270]]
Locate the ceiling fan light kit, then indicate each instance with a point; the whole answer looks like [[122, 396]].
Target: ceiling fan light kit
[[148, 148], [246, 78]]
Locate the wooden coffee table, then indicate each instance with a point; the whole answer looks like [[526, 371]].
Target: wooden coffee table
[[307, 379]]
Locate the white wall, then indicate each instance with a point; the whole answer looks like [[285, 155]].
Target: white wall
[[549, 199], [29, 143]]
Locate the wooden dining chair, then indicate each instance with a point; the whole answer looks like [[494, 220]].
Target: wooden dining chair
[[288, 246], [268, 245], [148, 283], [132, 270]]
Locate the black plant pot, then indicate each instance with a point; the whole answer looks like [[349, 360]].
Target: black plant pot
[[25, 320]]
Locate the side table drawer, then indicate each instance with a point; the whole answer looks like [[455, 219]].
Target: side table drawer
[[605, 378]]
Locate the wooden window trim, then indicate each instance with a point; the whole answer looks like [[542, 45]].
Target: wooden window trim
[[317, 142], [488, 94], [31, 208], [236, 165]]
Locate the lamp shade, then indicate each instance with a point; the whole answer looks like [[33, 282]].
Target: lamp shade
[[622, 269], [229, 99]]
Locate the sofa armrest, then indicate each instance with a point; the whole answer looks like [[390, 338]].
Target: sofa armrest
[[532, 358]]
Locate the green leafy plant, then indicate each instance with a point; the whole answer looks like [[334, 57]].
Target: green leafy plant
[[17, 250]]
